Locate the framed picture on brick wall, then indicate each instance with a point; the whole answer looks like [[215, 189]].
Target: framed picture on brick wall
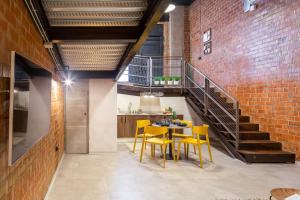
[[207, 48], [207, 42], [207, 36]]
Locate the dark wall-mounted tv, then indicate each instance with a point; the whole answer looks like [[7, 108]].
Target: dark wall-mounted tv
[[30, 105]]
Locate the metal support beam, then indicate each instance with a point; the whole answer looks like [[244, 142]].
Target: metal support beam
[[91, 74], [152, 16], [94, 33]]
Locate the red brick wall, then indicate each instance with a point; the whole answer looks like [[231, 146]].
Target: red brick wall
[[186, 49], [256, 57], [31, 175]]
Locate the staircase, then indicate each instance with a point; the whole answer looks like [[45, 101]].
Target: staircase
[[241, 138]]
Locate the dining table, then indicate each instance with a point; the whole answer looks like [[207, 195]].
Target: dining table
[[171, 129]]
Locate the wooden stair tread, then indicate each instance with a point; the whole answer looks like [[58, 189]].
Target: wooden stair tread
[[262, 152], [257, 141], [252, 132]]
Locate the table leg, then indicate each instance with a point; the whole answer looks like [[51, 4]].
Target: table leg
[[170, 145]]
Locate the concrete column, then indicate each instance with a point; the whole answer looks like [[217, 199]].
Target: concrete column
[[176, 37], [176, 31]]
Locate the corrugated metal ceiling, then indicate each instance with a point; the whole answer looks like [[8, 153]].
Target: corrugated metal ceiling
[[93, 55]]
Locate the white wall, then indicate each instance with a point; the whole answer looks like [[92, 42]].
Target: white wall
[[102, 115]]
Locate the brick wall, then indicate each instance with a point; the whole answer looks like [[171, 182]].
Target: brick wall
[[29, 178], [186, 49], [256, 57]]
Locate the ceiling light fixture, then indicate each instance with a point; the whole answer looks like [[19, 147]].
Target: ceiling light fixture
[[170, 8], [152, 94], [68, 82]]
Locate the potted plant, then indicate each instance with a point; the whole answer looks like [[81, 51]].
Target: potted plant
[[169, 80], [176, 80], [162, 80], [157, 80]]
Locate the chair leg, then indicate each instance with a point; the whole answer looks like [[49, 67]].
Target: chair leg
[[153, 150], [200, 155], [134, 144], [209, 151], [173, 152], [195, 151], [142, 150], [164, 157], [161, 150], [185, 151], [178, 150]]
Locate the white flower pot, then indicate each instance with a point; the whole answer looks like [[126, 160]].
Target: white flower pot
[[170, 82], [156, 82], [176, 82], [162, 82]]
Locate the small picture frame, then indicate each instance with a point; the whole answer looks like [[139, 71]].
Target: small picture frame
[[207, 48], [207, 36], [207, 42]]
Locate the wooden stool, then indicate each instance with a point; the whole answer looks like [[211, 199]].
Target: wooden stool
[[282, 193]]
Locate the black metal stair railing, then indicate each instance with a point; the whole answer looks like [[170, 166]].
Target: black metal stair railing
[[217, 102]]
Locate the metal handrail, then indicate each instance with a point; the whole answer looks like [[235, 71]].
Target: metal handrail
[[208, 95], [231, 126], [219, 87], [147, 64]]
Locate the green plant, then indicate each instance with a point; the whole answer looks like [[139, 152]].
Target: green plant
[[176, 78], [168, 78], [174, 115], [157, 78], [163, 78]]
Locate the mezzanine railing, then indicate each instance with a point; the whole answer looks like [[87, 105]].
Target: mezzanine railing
[[143, 70]]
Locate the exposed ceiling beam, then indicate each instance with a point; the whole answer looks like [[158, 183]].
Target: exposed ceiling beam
[[92, 74], [182, 2], [153, 14], [94, 33]]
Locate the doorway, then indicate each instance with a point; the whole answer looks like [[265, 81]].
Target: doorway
[[77, 101]]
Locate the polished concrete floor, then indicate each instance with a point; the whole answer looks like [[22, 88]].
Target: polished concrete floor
[[120, 175]]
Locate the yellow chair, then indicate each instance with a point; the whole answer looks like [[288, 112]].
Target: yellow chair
[[198, 131], [140, 124], [182, 135], [159, 138]]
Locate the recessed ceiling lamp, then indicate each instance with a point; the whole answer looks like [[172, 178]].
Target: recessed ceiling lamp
[[170, 8]]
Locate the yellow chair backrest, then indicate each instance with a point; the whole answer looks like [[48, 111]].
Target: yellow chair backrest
[[201, 130], [189, 123], [156, 130], [142, 123]]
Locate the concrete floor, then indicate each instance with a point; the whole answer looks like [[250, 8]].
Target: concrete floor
[[114, 176]]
